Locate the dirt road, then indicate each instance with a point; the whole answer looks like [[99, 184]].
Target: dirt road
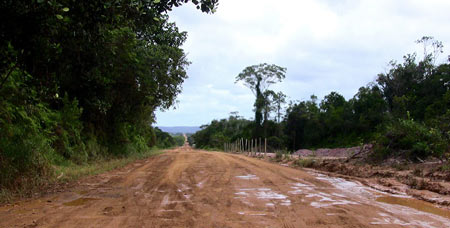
[[191, 188]]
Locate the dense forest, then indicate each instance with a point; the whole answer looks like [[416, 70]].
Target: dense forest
[[405, 112], [81, 80]]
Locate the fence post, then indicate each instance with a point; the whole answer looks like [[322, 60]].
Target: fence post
[[245, 146], [260, 147], [251, 147], [240, 145], [246, 143], [255, 148], [265, 147]]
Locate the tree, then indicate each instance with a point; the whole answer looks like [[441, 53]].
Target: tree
[[275, 102], [81, 79], [369, 108], [436, 45], [258, 78]]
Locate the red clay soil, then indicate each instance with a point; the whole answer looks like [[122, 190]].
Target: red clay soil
[[192, 188]]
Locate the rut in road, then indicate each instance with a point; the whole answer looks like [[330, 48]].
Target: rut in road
[[192, 188]]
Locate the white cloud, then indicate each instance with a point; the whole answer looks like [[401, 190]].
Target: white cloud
[[326, 45]]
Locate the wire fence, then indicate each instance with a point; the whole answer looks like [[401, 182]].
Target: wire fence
[[247, 146]]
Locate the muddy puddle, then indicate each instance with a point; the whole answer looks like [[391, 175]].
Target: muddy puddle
[[79, 202], [248, 177], [272, 198], [353, 192], [416, 204]]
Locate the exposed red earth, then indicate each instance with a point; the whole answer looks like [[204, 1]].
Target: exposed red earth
[[192, 188]]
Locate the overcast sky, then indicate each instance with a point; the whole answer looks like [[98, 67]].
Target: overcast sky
[[326, 45]]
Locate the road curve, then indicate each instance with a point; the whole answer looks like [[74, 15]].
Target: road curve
[[192, 188]]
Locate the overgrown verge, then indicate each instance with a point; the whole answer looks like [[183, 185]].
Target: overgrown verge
[[37, 140], [68, 172]]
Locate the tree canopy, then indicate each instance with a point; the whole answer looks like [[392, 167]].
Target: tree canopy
[[82, 79], [258, 78]]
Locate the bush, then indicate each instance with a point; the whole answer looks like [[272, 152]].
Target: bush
[[307, 163], [25, 135], [411, 140], [278, 155], [67, 131], [179, 140]]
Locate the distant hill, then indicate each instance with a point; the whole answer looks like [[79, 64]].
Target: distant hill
[[180, 129]]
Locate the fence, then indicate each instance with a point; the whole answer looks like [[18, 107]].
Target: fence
[[249, 146]]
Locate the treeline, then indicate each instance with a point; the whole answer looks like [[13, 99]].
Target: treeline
[[80, 80], [405, 112]]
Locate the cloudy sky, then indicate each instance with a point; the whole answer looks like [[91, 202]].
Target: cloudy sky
[[326, 45]]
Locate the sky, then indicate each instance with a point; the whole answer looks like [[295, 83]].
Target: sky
[[326, 45]]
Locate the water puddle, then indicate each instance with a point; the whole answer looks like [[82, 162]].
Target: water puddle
[[327, 200], [286, 202], [248, 177], [416, 204], [270, 195], [403, 210], [79, 201], [265, 194], [349, 186], [252, 213], [396, 221]]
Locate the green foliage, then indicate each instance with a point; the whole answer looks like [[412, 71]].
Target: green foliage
[[278, 155], [411, 139], [179, 140], [223, 131], [329, 125], [80, 80], [445, 167], [26, 134], [164, 139], [369, 109], [258, 78], [67, 131], [305, 162]]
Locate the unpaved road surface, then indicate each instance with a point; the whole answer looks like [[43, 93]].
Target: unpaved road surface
[[191, 188]]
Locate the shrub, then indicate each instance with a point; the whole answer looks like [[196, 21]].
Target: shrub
[[25, 134], [278, 155], [67, 131], [410, 139], [307, 163]]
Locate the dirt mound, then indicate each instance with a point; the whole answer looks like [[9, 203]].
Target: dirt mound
[[335, 152]]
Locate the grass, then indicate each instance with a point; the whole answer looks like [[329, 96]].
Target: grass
[[69, 172], [5, 196], [305, 162], [445, 167]]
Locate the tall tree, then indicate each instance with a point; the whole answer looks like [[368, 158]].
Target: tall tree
[[258, 78], [279, 100]]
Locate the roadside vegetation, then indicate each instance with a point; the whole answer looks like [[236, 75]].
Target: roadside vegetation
[[405, 112], [80, 82]]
